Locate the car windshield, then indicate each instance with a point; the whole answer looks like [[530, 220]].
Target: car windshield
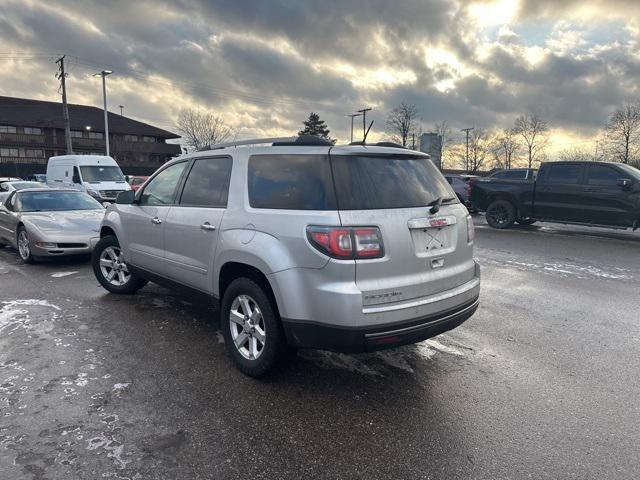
[[23, 185], [98, 173], [365, 182], [55, 201]]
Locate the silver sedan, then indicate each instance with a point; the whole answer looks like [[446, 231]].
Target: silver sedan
[[47, 222]]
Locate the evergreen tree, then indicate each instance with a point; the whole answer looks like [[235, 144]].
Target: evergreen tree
[[315, 126]]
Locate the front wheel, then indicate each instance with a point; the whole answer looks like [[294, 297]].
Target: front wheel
[[251, 328], [501, 214], [111, 270], [24, 246]]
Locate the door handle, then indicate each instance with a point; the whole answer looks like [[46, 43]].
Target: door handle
[[207, 226], [156, 221]]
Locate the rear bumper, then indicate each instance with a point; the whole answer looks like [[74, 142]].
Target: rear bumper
[[303, 334]]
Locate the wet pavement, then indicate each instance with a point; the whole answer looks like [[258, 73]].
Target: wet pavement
[[541, 383]]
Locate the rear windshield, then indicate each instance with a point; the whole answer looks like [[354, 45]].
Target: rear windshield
[[384, 181]]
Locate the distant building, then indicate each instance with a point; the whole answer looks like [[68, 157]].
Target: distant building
[[431, 143], [31, 131]]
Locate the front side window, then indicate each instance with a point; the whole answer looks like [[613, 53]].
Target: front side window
[[55, 201], [161, 189], [567, 173], [369, 182], [97, 173], [603, 175], [291, 182], [208, 183], [499, 175]]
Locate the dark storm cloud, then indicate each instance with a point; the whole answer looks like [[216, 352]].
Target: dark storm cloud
[[283, 57]]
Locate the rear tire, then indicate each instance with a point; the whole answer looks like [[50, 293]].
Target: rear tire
[[251, 328], [111, 270], [24, 248], [501, 214]]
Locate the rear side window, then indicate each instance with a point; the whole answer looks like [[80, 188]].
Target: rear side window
[[208, 183], [566, 173], [384, 181], [603, 175], [291, 182]]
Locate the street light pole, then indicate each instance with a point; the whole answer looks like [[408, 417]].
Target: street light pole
[[104, 74]]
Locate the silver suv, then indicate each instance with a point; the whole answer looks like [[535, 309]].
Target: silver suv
[[304, 244]]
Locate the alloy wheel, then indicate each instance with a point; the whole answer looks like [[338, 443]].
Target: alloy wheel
[[113, 267], [499, 214], [23, 245], [247, 327]]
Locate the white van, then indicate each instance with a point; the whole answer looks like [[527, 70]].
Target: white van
[[98, 175]]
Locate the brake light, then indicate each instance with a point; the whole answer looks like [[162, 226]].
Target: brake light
[[347, 243], [471, 231]]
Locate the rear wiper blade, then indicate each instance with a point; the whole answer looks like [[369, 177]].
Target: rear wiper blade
[[435, 205], [449, 199]]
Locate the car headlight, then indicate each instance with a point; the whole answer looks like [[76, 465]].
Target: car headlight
[[471, 231], [46, 245]]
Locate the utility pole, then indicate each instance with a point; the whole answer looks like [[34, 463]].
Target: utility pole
[[104, 74], [65, 109], [466, 164], [121, 109], [363, 112], [352, 115], [413, 141]]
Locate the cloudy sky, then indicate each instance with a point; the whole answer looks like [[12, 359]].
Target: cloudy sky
[[265, 64]]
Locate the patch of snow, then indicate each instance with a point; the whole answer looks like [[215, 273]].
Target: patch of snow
[[443, 348], [220, 337], [40, 303], [62, 274], [121, 387]]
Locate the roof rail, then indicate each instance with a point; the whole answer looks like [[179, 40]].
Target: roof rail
[[299, 141], [379, 144]]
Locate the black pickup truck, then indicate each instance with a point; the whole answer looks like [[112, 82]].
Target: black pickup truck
[[586, 193]]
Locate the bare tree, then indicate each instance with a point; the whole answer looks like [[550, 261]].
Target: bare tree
[[479, 149], [445, 133], [576, 154], [623, 134], [401, 122], [532, 130], [200, 129], [506, 146]]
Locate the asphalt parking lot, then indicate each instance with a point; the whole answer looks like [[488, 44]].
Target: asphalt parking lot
[[541, 383]]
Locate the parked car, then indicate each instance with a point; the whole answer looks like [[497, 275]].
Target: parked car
[[587, 193], [46, 222], [460, 186], [98, 175], [136, 181], [514, 174], [9, 179], [37, 177], [8, 187], [304, 244]]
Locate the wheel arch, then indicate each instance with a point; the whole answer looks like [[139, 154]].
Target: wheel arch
[[232, 270]]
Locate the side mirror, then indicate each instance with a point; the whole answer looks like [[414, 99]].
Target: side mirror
[[75, 179], [126, 198], [624, 183]]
